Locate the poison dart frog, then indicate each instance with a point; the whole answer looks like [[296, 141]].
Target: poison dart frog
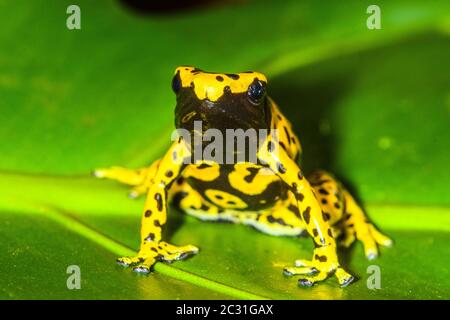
[[271, 194]]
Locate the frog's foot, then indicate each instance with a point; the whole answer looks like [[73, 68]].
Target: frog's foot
[[370, 237], [138, 191], [323, 265], [133, 177], [156, 251]]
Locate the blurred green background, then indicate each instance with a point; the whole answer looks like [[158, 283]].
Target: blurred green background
[[373, 106]]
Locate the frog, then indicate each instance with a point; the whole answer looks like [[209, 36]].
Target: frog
[[271, 194]]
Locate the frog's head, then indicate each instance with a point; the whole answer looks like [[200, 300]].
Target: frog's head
[[220, 100]]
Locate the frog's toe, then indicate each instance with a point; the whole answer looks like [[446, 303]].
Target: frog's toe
[[172, 253], [291, 271], [98, 173], [302, 263], [347, 239], [380, 238], [149, 255], [138, 191], [185, 255], [323, 266], [305, 282], [371, 240], [310, 280], [129, 261], [344, 278], [132, 195], [309, 272], [145, 265], [142, 269], [370, 248]]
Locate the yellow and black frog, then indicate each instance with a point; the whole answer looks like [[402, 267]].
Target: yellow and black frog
[[270, 194]]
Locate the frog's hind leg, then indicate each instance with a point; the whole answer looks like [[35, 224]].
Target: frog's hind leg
[[140, 179], [345, 215]]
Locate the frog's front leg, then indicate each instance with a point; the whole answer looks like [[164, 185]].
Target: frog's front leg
[[152, 247], [325, 261], [140, 179]]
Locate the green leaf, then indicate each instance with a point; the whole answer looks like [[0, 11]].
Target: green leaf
[[39, 252], [378, 119], [80, 99], [372, 106], [235, 261]]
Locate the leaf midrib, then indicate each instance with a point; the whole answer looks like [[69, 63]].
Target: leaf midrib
[[68, 220]]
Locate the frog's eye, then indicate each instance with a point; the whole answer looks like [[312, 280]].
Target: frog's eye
[[256, 92], [176, 83]]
